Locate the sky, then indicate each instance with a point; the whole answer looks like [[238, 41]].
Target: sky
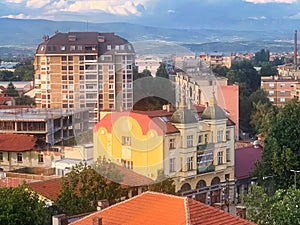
[[163, 13]]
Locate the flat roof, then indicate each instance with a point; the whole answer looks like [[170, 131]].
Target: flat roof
[[35, 114]]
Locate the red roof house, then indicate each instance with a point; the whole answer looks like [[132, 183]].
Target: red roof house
[[151, 208]]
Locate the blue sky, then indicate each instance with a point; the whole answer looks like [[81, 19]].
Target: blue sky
[[164, 13]]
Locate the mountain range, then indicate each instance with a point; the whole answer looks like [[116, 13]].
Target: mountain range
[[29, 33]]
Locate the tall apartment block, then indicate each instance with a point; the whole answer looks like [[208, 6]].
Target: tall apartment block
[[84, 70]]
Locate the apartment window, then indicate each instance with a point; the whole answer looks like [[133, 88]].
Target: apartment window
[[189, 163], [172, 165], [108, 47], [110, 67], [1, 156], [205, 138], [127, 164], [64, 58], [220, 158], [219, 136], [79, 47], [282, 85], [189, 141], [81, 67], [227, 135], [227, 154], [62, 48], [65, 87], [271, 85], [271, 92], [111, 96], [271, 99], [126, 140], [81, 58], [203, 159], [117, 47], [129, 67], [200, 139], [110, 86], [19, 157], [40, 158], [64, 68], [282, 99], [172, 143], [72, 48], [70, 58], [282, 92]]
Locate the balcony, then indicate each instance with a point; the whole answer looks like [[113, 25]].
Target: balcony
[[205, 169], [203, 147]]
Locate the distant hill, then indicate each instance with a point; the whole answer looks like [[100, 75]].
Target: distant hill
[[16, 32]]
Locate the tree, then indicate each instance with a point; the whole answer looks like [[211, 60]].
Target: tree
[[163, 184], [21, 206], [282, 146], [11, 90], [84, 186], [281, 208], [161, 71], [24, 100], [262, 56], [268, 69], [24, 72], [220, 71]]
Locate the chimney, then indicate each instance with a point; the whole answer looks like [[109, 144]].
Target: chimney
[[295, 48], [102, 204], [241, 211], [45, 38], [60, 219], [72, 37], [97, 220]]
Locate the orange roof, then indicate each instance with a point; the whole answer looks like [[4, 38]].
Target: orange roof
[[48, 188], [151, 208], [13, 181], [17, 142]]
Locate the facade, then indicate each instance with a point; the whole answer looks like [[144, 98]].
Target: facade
[[280, 90], [157, 208], [24, 151], [84, 70], [195, 147], [198, 89], [149, 62], [52, 126]]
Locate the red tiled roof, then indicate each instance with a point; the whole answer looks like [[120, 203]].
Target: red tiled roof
[[13, 181], [17, 142], [151, 208], [245, 159], [48, 188]]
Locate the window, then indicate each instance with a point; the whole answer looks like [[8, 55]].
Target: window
[[189, 141], [62, 48], [203, 159], [172, 143], [271, 99], [220, 158], [227, 154], [110, 67], [1, 156], [205, 138], [79, 47], [72, 48], [200, 139], [126, 140], [172, 165], [108, 47], [81, 58], [64, 58], [110, 86], [127, 164], [271, 92], [189, 163], [219, 136], [70, 58], [227, 135], [271, 85], [282, 99], [282, 92], [40, 158], [282, 85], [19, 157]]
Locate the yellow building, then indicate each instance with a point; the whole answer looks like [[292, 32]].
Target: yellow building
[[193, 146]]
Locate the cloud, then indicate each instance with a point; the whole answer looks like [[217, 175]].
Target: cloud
[[36, 4], [15, 1], [18, 16], [271, 1], [296, 16], [171, 11], [257, 18]]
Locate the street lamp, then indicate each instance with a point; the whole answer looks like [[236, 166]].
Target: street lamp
[[295, 179]]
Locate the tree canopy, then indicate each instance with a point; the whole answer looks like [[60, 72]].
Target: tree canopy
[[83, 187], [163, 184], [161, 71], [11, 90], [21, 206], [282, 208]]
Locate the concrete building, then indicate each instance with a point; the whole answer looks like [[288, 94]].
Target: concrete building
[[280, 90], [149, 62], [193, 146], [52, 126], [84, 70]]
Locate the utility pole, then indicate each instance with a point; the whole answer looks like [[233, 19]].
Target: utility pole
[[295, 178]]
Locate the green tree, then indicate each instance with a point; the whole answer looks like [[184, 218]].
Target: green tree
[[24, 72], [220, 71], [282, 208], [161, 71], [21, 206], [268, 70], [84, 186], [262, 56], [11, 90], [163, 184], [282, 146], [24, 100]]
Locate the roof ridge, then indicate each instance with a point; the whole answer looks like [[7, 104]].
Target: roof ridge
[[187, 210]]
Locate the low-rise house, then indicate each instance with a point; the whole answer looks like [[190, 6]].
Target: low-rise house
[[157, 208], [23, 150]]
